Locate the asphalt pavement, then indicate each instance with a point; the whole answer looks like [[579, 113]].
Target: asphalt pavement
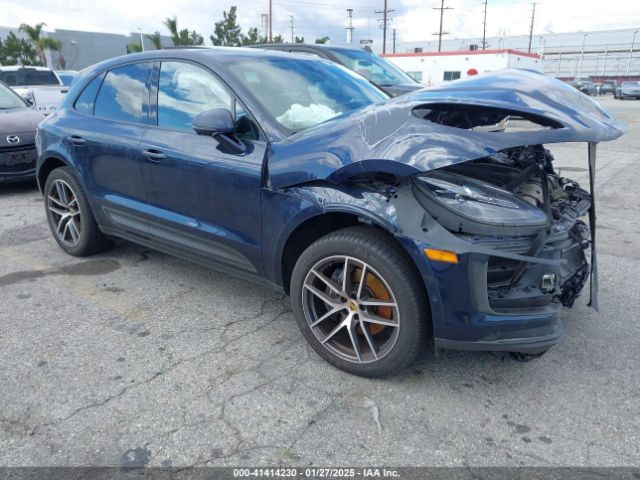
[[132, 357]]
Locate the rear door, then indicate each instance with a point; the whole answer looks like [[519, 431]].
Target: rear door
[[109, 119], [206, 200]]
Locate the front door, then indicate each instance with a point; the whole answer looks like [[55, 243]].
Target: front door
[[206, 200]]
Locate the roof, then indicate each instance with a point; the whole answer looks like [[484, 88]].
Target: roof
[[319, 46], [13, 68], [507, 51]]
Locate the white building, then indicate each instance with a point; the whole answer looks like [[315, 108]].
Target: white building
[[435, 68]]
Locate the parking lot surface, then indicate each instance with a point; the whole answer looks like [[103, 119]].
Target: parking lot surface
[[132, 357]]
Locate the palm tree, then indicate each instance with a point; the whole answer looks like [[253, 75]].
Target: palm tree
[[182, 37], [40, 43], [155, 39]]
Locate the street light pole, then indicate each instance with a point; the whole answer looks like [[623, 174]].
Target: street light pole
[[270, 23], [584, 39], [631, 52], [141, 39]]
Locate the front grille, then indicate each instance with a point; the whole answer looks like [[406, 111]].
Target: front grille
[[18, 159], [16, 148]]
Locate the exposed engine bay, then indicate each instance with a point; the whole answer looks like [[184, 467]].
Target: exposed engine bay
[[514, 201]]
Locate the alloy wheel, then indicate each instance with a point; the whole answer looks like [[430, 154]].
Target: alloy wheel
[[351, 309], [64, 211]]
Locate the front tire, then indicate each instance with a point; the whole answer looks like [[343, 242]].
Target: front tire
[[360, 302], [69, 215]]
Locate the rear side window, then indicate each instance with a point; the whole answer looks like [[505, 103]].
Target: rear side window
[[86, 101], [122, 95], [184, 91], [24, 77]]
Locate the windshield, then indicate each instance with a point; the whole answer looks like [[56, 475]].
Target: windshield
[[631, 84], [372, 67], [300, 93], [9, 99], [24, 77]]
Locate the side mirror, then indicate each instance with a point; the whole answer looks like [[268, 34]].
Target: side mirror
[[219, 124], [209, 122]]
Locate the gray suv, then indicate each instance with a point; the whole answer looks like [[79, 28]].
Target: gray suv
[[382, 73]]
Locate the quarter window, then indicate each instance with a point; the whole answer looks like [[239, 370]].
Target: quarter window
[[86, 100], [122, 95], [186, 90]]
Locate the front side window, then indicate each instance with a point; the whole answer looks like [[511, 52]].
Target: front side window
[[300, 93], [184, 91], [122, 95]]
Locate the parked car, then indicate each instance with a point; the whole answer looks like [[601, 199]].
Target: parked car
[[585, 86], [377, 70], [387, 221], [608, 86], [18, 125], [628, 90], [67, 76], [39, 86]]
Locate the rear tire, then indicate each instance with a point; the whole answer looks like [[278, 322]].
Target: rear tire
[[69, 215], [374, 320]]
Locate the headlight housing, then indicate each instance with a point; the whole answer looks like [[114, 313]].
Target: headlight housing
[[463, 204]]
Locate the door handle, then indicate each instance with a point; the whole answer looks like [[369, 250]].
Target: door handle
[[76, 140], [154, 155]]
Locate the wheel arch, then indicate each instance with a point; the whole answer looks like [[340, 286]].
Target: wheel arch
[[48, 165]]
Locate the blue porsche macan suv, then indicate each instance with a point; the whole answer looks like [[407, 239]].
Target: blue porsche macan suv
[[432, 217]]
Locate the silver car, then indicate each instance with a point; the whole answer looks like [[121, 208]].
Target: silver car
[[628, 90]]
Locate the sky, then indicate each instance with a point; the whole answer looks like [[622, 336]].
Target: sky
[[415, 20]]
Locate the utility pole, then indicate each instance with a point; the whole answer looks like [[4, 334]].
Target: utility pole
[[442, 8], [395, 32], [633, 42], [533, 17], [484, 27], [291, 26], [385, 23], [270, 22]]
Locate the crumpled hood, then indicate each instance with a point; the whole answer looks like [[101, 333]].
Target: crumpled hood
[[390, 138], [19, 120]]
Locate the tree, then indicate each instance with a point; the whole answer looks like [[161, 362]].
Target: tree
[[227, 32], [182, 37], [134, 47], [16, 50], [41, 44], [322, 40], [278, 39], [299, 39], [155, 39], [66, 57], [253, 37]]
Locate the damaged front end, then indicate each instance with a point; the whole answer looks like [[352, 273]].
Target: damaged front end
[[514, 202], [465, 170]]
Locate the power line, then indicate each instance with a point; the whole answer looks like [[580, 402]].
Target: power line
[[442, 8], [533, 17]]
